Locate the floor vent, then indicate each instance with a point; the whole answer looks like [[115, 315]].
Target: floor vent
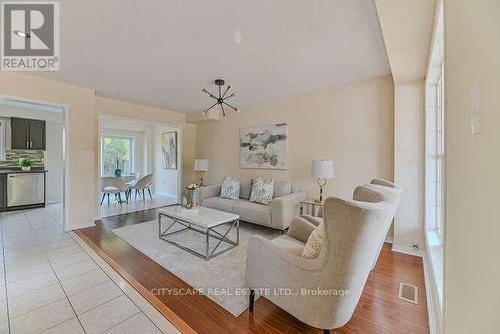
[[408, 293]]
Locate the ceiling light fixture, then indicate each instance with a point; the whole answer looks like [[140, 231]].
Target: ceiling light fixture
[[221, 100], [21, 34]]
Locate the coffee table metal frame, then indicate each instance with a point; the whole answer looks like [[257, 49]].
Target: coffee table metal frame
[[208, 232]]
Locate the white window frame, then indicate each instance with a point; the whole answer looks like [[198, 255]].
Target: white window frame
[[132, 150], [440, 155]]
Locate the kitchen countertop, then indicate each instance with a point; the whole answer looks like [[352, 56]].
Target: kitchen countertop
[[18, 170]]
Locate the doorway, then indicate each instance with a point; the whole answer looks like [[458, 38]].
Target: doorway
[[41, 191], [133, 174]]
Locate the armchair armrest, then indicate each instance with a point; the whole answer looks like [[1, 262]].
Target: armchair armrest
[[300, 229], [207, 192], [285, 208]]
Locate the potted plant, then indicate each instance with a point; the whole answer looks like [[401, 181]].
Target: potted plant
[[118, 171], [190, 193], [25, 164]]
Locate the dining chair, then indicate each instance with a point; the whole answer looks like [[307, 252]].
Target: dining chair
[[113, 185], [143, 184], [131, 180]]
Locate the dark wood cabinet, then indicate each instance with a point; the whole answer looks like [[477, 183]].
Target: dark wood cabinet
[[19, 133], [37, 135], [27, 134]]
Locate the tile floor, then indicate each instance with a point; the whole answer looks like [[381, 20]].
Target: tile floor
[[134, 205], [49, 284]]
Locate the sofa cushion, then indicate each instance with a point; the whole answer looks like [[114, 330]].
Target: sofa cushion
[[291, 245], [219, 203], [245, 188], [282, 188], [230, 187], [262, 191], [253, 212]]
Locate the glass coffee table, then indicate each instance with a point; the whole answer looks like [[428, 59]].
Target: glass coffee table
[[176, 219]]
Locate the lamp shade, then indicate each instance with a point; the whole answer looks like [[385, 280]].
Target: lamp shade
[[322, 169], [200, 165]]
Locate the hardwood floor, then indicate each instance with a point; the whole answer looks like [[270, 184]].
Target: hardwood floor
[[378, 311]]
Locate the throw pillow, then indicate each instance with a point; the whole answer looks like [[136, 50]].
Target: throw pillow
[[245, 188], [230, 187], [314, 243], [262, 191], [282, 188]]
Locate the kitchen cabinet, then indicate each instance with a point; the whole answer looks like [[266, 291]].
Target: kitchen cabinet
[[28, 134]]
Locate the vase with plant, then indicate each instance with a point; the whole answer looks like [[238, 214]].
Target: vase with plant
[[190, 193], [118, 170], [25, 164]]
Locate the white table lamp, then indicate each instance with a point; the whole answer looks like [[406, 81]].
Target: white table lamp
[[321, 171], [201, 165]]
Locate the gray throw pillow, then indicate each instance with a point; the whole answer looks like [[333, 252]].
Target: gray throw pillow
[[245, 188], [282, 188], [230, 187], [262, 191]]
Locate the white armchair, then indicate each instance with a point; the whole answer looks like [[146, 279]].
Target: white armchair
[[354, 230]]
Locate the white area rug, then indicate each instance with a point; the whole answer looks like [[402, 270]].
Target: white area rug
[[225, 273]]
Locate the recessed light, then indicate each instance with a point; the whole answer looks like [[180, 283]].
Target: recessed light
[[21, 34]]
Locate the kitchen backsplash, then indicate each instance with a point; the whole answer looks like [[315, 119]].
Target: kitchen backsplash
[[12, 158]]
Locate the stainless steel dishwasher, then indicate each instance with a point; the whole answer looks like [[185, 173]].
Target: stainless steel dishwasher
[[25, 189]]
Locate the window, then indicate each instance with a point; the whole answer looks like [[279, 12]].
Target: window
[[440, 154], [117, 153]]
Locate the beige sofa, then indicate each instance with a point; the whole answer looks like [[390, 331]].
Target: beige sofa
[[354, 231], [284, 206]]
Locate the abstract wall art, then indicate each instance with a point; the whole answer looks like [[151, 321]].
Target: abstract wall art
[[169, 149], [264, 146]]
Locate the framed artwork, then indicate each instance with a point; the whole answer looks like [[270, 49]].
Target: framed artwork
[[169, 149], [264, 146]]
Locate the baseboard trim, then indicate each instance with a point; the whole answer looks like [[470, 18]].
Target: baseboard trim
[[389, 239], [433, 311], [76, 227], [166, 194], [407, 250]]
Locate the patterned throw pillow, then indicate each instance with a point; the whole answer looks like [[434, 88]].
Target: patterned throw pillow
[[262, 191], [230, 187], [314, 243]]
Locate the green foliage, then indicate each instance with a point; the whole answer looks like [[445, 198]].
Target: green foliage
[[116, 154], [25, 163]]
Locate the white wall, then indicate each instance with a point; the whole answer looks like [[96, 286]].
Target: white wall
[[472, 224], [165, 180], [350, 124], [54, 162], [409, 151], [54, 159]]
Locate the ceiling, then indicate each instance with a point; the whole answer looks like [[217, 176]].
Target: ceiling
[[407, 29], [162, 52]]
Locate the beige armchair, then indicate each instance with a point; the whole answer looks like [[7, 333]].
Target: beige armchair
[[354, 230], [392, 190]]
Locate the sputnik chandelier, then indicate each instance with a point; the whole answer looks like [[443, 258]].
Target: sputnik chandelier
[[221, 100]]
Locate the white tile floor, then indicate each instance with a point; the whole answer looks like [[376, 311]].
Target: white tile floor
[[49, 284], [113, 209]]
